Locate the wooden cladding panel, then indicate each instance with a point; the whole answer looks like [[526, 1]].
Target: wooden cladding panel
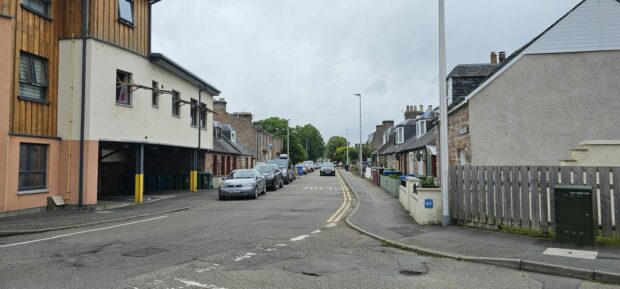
[[36, 35], [104, 25]]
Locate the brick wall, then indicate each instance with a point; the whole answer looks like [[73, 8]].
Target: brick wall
[[248, 135]]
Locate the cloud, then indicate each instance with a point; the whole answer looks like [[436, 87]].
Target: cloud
[[305, 59]]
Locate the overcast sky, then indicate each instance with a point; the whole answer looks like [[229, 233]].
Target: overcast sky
[[304, 59]]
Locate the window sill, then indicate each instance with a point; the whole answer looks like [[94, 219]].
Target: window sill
[[124, 105], [46, 17], [41, 101], [32, 192], [177, 116], [127, 23], [155, 106]]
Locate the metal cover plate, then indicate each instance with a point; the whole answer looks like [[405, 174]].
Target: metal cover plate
[[145, 252], [581, 254]]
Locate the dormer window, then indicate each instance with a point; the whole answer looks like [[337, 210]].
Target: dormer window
[[386, 136], [218, 133], [420, 128], [400, 135], [125, 11], [233, 136]]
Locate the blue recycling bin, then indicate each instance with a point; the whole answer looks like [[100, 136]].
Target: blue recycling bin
[[300, 169]]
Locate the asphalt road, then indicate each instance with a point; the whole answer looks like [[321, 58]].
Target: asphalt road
[[281, 240]]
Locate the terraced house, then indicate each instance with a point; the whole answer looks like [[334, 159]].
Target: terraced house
[[87, 110]]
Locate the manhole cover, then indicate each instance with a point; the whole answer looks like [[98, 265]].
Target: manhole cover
[[145, 252]]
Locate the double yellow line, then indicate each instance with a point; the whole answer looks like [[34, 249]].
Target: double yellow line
[[346, 202]]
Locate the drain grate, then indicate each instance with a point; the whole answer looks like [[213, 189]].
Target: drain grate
[[145, 252]]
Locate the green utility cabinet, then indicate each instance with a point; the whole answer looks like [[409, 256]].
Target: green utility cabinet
[[574, 216]]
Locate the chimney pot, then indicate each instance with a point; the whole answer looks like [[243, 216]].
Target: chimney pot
[[430, 108], [502, 56], [493, 57], [421, 108]]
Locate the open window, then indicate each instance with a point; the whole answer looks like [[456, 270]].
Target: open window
[[123, 90], [125, 12], [32, 77]]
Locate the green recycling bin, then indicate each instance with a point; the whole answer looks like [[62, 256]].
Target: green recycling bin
[[205, 181], [574, 218]]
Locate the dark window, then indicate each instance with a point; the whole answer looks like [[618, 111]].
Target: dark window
[[123, 91], [155, 95], [203, 115], [38, 6], [194, 112], [32, 76], [125, 11], [32, 166], [176, 104], [218, 133]]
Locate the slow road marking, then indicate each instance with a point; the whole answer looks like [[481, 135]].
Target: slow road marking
[[299, 238], [81, 232]]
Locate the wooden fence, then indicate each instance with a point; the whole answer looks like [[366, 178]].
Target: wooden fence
[[522, 196]]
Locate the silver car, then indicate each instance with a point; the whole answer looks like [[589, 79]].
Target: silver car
[[242, 183]]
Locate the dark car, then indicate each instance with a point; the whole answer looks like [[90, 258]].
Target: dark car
[[327, 169], [272, 174], [248, 183], [286, 168]]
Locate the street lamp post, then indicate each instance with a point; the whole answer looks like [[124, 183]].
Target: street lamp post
[[288, 139], [360, 148], [443, 117]]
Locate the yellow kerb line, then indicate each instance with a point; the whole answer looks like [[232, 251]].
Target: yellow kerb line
[[345, 203]]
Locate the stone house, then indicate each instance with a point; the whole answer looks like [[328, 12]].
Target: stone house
[[557, 91], [390, 154], [377, 139], [227, 155], [260, 144]]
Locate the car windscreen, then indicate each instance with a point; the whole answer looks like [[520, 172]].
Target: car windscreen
[[245, 174], [327, 165], [265, 168], [281, 163]]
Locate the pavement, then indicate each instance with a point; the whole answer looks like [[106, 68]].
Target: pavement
[[111, 209], [382, 217]]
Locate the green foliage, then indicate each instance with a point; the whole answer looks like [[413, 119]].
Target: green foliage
[[278, 127], [333, 144], [311, 134], [428, 182]]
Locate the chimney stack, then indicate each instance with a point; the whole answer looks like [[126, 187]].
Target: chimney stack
[[421, 108], [502, 56], [245, 116], [219, 105], [493, 57], [430, 108]]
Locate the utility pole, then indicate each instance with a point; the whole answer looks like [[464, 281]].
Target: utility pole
[[307, 154], [443, 117], [360, 148]]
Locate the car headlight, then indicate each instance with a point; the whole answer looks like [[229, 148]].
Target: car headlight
[[248, 185]]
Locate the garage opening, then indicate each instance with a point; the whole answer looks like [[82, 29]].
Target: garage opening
[[166, 169]]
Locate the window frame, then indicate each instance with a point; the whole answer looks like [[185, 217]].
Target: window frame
[[155, 94], [203, 115], [48, 4], [233, 136], [176, 104], [193, 112], [118, 89], [32, 80], [121, 19], [420, 128], [400, 135], [29, 171]]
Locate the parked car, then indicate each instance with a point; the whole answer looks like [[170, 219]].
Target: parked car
[[288, 174], [327, 169], [309, 166], [244, 182], [272, 174]]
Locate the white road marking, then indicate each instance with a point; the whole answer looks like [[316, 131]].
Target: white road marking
[[280, 245], [271, 249], [581, 254], [299, 238], [246, 256], [196, 284], [331, 225], [81, 232], [315, 232]]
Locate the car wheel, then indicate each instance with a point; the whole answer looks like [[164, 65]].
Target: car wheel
[[222, 198], [281, 183], [255, 196], [275, 185], [264, 191]]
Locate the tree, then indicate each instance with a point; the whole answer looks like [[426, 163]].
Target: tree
[[334, 143], [311, 134], [278, 127]]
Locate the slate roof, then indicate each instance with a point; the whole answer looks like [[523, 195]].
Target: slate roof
[[472, 70], [225, 145], [407, 122], [417, 143]]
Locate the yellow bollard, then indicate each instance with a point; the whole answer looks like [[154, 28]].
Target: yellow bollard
[[139, 191]]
